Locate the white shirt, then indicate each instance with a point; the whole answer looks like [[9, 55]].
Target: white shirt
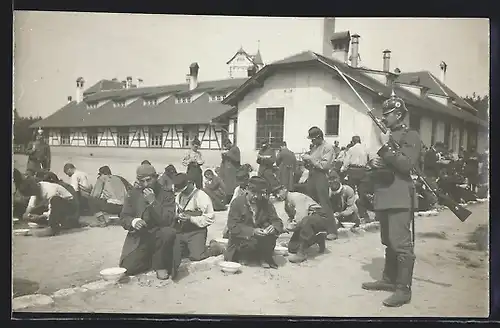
[[200, 202], [356, 155], [47, 191], [80, 182]]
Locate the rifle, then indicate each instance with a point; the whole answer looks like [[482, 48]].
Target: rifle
[[460, 212]]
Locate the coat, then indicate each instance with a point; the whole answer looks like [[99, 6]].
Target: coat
[[400, 193], [266, 162], [216, 190], [38, 156], [241, 225], [231, 161], [160, 214], [286, 162]]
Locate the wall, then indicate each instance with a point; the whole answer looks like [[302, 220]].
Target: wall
[[304, 93], [426, 130]]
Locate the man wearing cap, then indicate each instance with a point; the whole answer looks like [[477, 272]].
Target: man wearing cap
[[286, 162], [230, 164], [320, 162], [394, 202], [193, 161], [38, 155], [307, 222], [343, 200], [253, 226], [166, 179], [108, 195], [148, 214], [266, 159], [194, 215], [242, 177]]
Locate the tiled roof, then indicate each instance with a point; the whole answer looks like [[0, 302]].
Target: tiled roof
[[103, 85], [168, 112], [309, 57], [435, 86]]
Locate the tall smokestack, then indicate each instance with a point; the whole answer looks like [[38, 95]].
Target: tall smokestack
[[193, 74], [80, 82], [328, 32], [386, 60], [443, 67], [139, 82], [70, 99], [129, 82], [355, 50]]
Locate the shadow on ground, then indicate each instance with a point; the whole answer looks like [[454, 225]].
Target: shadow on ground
[[23, 287], [375, 268]]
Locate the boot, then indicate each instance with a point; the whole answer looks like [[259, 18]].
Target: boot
[[402, 295], [320, 240], [389, 275], [300, 256]]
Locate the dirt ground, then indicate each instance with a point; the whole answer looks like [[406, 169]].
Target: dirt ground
[[448, 281]]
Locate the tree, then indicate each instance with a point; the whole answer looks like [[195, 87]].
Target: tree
[[480, 103], [22, 132]]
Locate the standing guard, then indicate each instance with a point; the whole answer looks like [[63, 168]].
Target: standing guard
[[38, 155], [394, 202]]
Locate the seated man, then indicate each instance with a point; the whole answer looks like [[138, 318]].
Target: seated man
[[49, 202], [167, 178], [53, 178], [343, 200], [107, 195], [148, 214], [194, 214], [79, 182], [450, 183], [253, 226], [307, 223], [216, 190], [242, 177]]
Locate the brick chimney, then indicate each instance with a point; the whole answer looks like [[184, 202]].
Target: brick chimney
[[128, 82], [70, 99], [354, 50], [340, 44], [193, 76], [443, 67], [386, 60], [80, 82], [139, 82]]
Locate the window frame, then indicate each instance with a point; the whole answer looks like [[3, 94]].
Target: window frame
[[91, 132], [278, 122], [328, 132], [63, 133], [121, 132]]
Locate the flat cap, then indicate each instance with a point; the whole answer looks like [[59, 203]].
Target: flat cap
[[257, 183]]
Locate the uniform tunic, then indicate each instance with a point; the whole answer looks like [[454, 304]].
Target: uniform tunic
[[193, 161], [286, 162], [228, 168], [266, 160], [39, 157]]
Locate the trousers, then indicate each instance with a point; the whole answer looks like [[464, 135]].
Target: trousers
[[193, 244], [319, 190], [395, 232], [306, 232]]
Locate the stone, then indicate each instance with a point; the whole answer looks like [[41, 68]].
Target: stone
[[100, 284], [68, 291], [33, 300]]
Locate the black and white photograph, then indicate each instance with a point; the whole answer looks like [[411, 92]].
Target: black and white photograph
[[243, 165]]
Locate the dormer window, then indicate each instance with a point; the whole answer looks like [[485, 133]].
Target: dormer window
[[217, 97], [151, 102], [183, 100], [119, 103], [92, 105]]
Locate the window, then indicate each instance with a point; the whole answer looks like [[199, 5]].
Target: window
[[119, 103], [332, 120], [217, 97], [123, 137], [92, 138], [447, 134], [151, 102], [155, 136], [65, 137], [415, 122], [270, 123], [183, 100]]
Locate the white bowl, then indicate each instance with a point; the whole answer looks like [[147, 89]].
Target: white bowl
[[21, 232], [33, 225], [230, 267], [222, 241], [348, 225], [113, 274], [113, 218], [280, 250]]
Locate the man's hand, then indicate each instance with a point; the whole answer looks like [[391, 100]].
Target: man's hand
[[377, 163], [306, 157], [139, 224], [149, 195], [269, 230], [184, 217], [385, 137], [259, 232]]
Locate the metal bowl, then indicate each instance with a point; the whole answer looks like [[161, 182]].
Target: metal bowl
[[21, 232], [348, 225], [280, 250]]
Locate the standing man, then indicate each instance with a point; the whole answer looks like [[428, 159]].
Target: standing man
[[231, 161], [266, 159], [394, 202], [193, 161], [355, 166], [320, 162], [286, 162], [38, 155], [336, 148]]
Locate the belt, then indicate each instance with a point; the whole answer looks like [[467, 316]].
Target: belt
[[357, 166]]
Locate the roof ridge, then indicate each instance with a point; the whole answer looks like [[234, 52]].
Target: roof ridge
[[438, 84]]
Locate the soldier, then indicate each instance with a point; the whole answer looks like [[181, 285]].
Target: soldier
[[394, 202], [38, 155]]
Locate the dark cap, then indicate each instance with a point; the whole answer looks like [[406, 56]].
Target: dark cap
[[242, 174], [181, 180], [196, 142], [105, 170], [170, 168], [314, 132], [333, 175], [145, 170], [257, 183]]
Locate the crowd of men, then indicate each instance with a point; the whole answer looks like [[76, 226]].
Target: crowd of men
[[167, 216]]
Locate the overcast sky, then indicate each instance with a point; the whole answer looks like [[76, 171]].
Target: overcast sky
[[52, 49]]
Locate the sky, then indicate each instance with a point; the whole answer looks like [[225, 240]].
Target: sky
[[53, 49]]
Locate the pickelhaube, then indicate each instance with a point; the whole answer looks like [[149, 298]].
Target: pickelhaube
[[393, 103]]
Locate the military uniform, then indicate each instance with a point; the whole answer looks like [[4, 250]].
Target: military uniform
[[394, 202]]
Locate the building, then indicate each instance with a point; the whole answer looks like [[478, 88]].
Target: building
[[278, 101]]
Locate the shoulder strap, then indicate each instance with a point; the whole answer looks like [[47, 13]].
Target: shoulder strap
[[189, 198]]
